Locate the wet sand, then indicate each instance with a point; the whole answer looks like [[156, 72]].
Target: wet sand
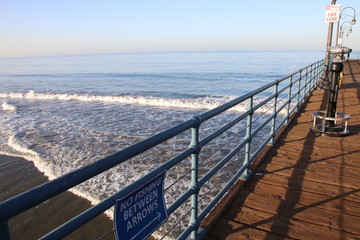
[[18, 175]]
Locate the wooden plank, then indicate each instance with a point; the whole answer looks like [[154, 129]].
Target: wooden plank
[[338, 159], [292, 209], [308, 186], [287, 226], [333, 203], [232, 230], [223, 204], [297, 174], [281, 167]]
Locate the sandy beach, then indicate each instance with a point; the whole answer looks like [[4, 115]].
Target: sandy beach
[[18, 175]]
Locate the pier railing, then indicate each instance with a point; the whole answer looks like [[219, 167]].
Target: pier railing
[[211, 162], [355, 55]]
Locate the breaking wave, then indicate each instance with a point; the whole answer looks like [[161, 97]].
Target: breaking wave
[[206, 103], [8, 107]]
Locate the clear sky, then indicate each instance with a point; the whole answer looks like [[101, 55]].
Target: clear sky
[[63, 27]]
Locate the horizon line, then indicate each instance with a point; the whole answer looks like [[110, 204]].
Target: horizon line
[[161, 52]]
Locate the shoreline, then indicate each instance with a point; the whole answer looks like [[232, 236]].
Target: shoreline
[[18, 175]]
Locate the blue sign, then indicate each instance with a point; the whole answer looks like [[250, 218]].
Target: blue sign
[[140, 213]]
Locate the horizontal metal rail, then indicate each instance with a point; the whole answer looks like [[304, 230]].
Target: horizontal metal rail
[[294, 88], [354, 56]]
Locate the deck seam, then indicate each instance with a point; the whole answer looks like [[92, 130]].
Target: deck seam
[[290, 218]]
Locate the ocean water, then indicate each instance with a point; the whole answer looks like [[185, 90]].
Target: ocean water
[[65, 112]]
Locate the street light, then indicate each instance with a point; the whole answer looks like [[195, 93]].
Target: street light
[[353, 22], [342, 30], [341, 35], [344, 24], [330, 117], [324, 79]]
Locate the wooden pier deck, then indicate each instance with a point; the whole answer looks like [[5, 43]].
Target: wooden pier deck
[[308, 187]]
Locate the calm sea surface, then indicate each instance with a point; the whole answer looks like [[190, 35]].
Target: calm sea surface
[[68, 111]]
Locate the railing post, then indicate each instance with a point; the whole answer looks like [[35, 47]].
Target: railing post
[[299, 90], [248, 135], [310, 80], [273, 121], [321, 66], [306, 82], [289, 100], [312, 76], [4, 231], [316, 73], [195, 178], [319, 71]]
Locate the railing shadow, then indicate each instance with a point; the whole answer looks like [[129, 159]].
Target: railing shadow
[[352, 72], [297, 178], [288, 205], [298, 175], [278, 220]]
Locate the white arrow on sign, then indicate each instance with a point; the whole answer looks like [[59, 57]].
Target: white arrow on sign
[[158, 217]]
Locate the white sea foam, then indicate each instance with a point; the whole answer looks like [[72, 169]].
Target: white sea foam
[[46, 168], [205, 103], [8, 107], [28, 154], [59, 141]]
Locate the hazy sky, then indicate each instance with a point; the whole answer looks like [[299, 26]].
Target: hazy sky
[[62, 27]]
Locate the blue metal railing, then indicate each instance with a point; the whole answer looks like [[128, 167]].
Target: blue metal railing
[[355, 55], [268, 108]]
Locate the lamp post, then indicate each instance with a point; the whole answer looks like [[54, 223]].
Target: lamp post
[[350, 30], [325, 77], [342, 31], [353, 21], [329, 125], [341, 35]]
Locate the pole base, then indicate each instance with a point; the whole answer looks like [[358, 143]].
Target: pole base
[[333, 131], [329, 126]]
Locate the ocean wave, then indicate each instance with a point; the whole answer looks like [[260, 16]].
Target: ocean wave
[[190, 103], [19, 150], [8, 107], [206, 103]]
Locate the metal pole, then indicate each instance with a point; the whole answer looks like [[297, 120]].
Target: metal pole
[[248, 135], [338, 30], [4, 230], [338, 24], [289, 100], [327, 53], [273, 121], [306, 82], [194, 179], [298, 91], [336, 68]]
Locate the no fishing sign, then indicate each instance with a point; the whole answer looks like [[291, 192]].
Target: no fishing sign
[[140, 213]]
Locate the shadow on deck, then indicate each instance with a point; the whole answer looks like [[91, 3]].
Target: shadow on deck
[[308, 186]]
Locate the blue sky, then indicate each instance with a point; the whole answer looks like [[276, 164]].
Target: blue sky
[[49, 27]]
